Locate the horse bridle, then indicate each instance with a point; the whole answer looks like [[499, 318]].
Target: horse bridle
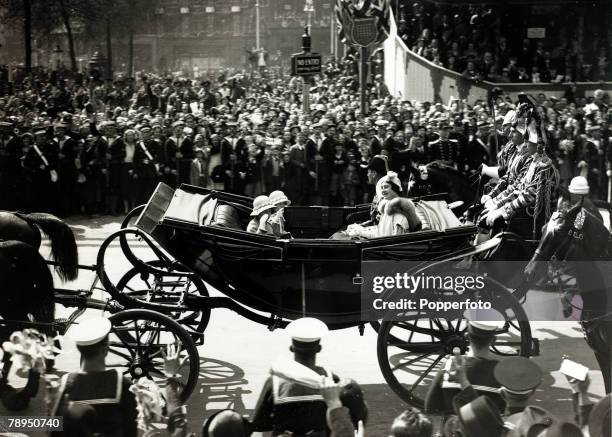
[[573, 234]]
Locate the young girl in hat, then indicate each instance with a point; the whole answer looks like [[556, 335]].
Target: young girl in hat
[[279, 200], [261, 213]]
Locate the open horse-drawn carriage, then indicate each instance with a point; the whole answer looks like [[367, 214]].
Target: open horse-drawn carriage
[[198, 237]]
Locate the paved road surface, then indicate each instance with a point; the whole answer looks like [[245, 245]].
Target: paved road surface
[[237, 353]]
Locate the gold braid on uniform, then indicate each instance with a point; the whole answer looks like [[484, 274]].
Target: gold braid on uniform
[[547, 180]]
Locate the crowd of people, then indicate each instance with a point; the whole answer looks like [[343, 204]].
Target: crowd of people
[[76, 146], [468, 40], [473, 394]]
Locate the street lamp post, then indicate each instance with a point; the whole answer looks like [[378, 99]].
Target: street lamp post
[[257, 41], [309, 9]]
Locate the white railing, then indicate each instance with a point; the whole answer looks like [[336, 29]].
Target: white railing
[[412, 77]]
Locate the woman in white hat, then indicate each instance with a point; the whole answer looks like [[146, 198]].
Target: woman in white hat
[[262, 208], [388, 188]]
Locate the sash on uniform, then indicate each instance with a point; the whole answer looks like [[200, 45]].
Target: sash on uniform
[[148, 154]]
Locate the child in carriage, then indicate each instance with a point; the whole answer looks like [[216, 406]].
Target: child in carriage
[[279, 200], [262, 208]]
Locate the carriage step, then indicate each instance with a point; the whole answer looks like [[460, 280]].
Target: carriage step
[[173, 283]]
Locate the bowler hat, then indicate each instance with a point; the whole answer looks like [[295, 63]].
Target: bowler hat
[[481, 418]]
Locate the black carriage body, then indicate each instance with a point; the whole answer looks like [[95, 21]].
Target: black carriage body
[[291, 277]]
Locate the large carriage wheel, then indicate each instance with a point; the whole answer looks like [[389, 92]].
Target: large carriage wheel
[[147, 288], [136, 341], [410, 352]]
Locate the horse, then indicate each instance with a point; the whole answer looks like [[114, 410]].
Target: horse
[[26, 284], [25, 228], [27, 293], [576, 235]]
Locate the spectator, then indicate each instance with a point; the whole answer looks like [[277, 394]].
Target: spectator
[[107, 391], [412, 423], [287, 406]]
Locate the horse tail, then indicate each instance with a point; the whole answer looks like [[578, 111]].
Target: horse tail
[[45, 312], [63, 244]]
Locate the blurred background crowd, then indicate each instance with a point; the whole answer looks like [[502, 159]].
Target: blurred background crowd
[[81, 146]]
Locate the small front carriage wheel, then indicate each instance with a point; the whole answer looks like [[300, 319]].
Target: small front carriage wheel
[[136, 341]]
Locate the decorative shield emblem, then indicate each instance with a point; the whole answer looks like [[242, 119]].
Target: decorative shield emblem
[[364, 31]]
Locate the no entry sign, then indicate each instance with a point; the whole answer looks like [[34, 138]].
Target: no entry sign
[[305, 64]]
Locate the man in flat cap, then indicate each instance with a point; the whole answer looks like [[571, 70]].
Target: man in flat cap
[[288, 406], [107, 391], [478, 367]]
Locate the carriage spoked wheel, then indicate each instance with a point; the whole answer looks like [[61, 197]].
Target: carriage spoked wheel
[[136, 342], [145, 288], [414, 347]]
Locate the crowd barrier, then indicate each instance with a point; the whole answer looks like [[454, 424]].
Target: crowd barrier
[[412, 77]]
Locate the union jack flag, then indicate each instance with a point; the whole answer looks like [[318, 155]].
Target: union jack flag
[[363, 22]]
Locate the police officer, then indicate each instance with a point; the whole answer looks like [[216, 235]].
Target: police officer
[[287, 406], [107, 391], [445, 149], [478, 366]]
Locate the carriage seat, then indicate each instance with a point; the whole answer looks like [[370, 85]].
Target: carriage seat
[[226, 216], [435, 215], [188, 207]]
